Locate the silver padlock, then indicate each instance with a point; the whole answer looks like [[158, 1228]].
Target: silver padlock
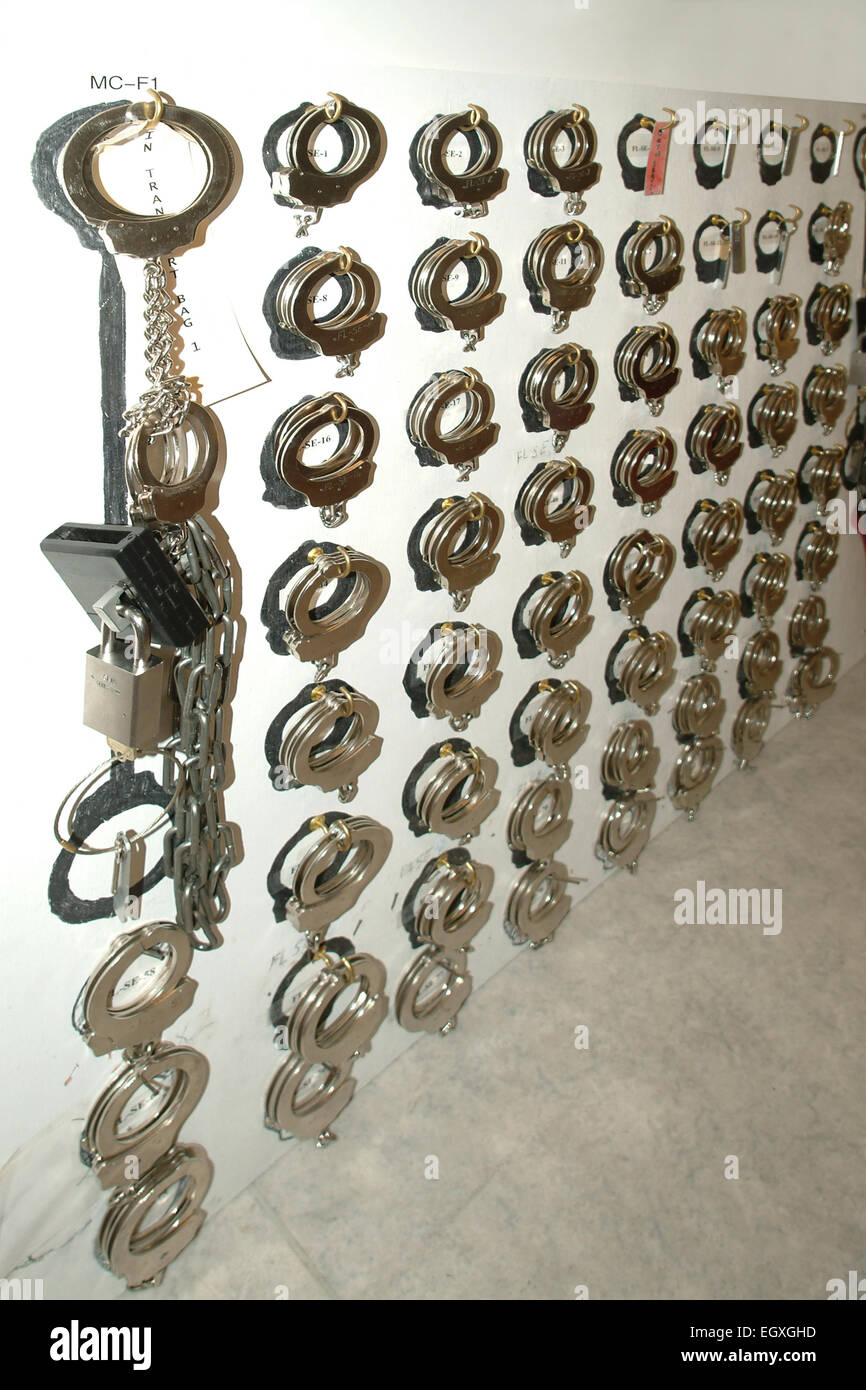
[[126, 695]]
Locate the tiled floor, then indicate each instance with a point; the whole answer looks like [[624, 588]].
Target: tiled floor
[[604, 1166]]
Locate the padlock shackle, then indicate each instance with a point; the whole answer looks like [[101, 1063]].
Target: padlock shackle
[[140, 637]]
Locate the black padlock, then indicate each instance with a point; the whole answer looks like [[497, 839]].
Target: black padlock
[[109, 565]]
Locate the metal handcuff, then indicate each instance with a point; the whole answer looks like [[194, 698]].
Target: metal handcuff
[[175, 490], [699, 708], [164, 990], [555, 500], [644, 668], [645, 364], [788, 138], [715, 266], [813, 680], [765, 585], [630, 760], [808, 626], [694, 772], [476, 306], [133, 1245], [709, 622], [721, 343], [557, 384], [316, 635], [311, 755], [776, 327], [821, 474], [538, 823], [460, 671], [469, 191], [561, 289], [432, 991], [537, 903], [837, 238], [462, 445], [348, 329], [301, 182], [457, 792], [332, 482], [557, 616], [773, 414], [749, 727], [713, 440], [451, 902], [459, 544], [771, 502], [643, 468], [333, 871], [637, 570], [173, 1079], [816, 554], [715, 534], [760, 664], [548, 173], [824, 395], [652, 254], [324, 1044], [625, 830], [557, 725], [828, 314]]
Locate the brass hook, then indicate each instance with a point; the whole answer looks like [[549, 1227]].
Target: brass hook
[[798, 211], [579, 113], [479, 507], [350, 703], [852, 126], [331, 116], [804, 119], [647, 123], [575, 232], [341, 410], [158, 107], [345, 261], [669, 125], [746, 215], [476, 241], [476, 114]]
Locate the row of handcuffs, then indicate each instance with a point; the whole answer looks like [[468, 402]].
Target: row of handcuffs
[[131, 1143], [559, 149]]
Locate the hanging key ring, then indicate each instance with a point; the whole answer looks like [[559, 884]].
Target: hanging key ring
[[84, 786]]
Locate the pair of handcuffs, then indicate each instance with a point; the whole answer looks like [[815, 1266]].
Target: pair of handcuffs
[[764, 585], [697, 716], [560, 149], [451, 791], [553, 616], [555, 503], [641, 668], [331, 741], [333, 481], [433, 159], [771, 503], [555, 391], [707, 622], [821, 474], [637, 570], [331, 861], [816, 553], [813, 677], [629, 763], [454, 672], [713, 440], [776, 325], [342, 332], [642, 469], [444, 911], [824, 394], [462, 443], [298, 179], [649, 258], [773, 414], [699, 708], [457, 545], [712, 536], [560, 270], [475, 306], [645, 365], [320, 634], [760, 663], [720, 341], [554, 714], [828, 316], [630, 759]]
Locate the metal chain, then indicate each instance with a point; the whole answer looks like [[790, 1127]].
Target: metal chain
[[200, 848], [164, 407]]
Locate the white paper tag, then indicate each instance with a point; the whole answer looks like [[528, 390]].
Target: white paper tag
[[823, 149], [638, 147]]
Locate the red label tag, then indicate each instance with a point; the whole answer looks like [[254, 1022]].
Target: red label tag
[[657, 159]]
